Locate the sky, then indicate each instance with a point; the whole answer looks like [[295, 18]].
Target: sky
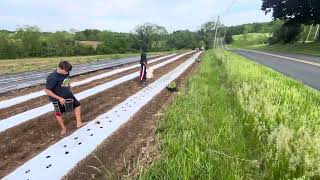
[[125, 15]]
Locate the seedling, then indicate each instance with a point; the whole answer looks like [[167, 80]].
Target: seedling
[[172, 87]]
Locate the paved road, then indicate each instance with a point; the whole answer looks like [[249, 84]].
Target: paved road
[[308, 72], [28, 79], [303, 68]]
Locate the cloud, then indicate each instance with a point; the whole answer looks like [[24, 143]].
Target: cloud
[[123, 15]]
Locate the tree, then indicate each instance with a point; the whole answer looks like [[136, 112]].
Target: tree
[[30, 39], [207, 32], [247, 29], [228, 37], [183, 40], [113, 43], [293, 11], [147, 35]]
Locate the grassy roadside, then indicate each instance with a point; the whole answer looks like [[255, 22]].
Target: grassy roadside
[[312, 48], [31, 64], [239, 120], [257, 41], [251, 39]]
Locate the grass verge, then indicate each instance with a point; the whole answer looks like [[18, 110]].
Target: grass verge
[[311, 49], [239, 120], [257, 41]]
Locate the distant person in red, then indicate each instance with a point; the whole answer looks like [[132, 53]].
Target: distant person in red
[[143, 63], [58, 89]]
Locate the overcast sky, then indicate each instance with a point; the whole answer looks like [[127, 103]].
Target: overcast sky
[[124, 15]]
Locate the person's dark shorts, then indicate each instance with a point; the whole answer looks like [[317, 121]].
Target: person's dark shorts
[[61, 109]]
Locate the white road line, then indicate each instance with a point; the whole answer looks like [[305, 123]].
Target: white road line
[[56, 161], [37, 112], [24, 98], [284, 57]]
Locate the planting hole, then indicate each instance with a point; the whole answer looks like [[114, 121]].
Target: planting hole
[[67, 152], [49, 166], [65, 146], [79, 143], [88, 129], [27, 171], [91, 134], [76, 138], [48, 157]]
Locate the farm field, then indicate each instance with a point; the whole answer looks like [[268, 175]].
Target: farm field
[[37, 139]]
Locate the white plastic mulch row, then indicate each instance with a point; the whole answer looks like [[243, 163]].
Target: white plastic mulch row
[[24, 98], [56, 161], [37, 112]]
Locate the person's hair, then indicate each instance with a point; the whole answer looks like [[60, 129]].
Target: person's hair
[[65, 65]]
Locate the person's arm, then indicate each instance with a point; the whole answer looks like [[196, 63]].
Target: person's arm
[[51, 94]]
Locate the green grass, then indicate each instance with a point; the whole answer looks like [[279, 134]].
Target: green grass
[[251, 39], [31, 64], [257, 41], [311, 48], [239, 120]]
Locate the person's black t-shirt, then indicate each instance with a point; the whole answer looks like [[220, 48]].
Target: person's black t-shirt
[[143, 58], [59, 84]]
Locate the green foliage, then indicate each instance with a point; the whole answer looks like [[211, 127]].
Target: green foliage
[[285, 118], [29, 36], [252, 28], [253, 39], [294, 11], [113, 43], [286, 33], [172, 85], [239, 120], [148, 36], [29, 41], [183, 40], [207, 33], [312, 49], [228, 38], [201, 134]]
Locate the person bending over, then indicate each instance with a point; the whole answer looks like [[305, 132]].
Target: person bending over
[[58, 89]]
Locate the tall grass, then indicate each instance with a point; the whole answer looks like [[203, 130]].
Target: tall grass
[[239, 120], [202, 135], [286, 118]]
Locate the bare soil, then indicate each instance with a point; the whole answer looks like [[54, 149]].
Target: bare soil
[[40, 101], [133, 145], [21, 143]]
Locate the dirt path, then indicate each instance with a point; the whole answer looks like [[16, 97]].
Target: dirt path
[[21, 143], [43, 100], [117, 155]]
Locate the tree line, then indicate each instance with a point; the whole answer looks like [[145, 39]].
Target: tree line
[[30, 41], [291, 21]]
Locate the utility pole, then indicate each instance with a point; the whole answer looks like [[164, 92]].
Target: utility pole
[[309, 33], [317, 32], [215, 36]]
